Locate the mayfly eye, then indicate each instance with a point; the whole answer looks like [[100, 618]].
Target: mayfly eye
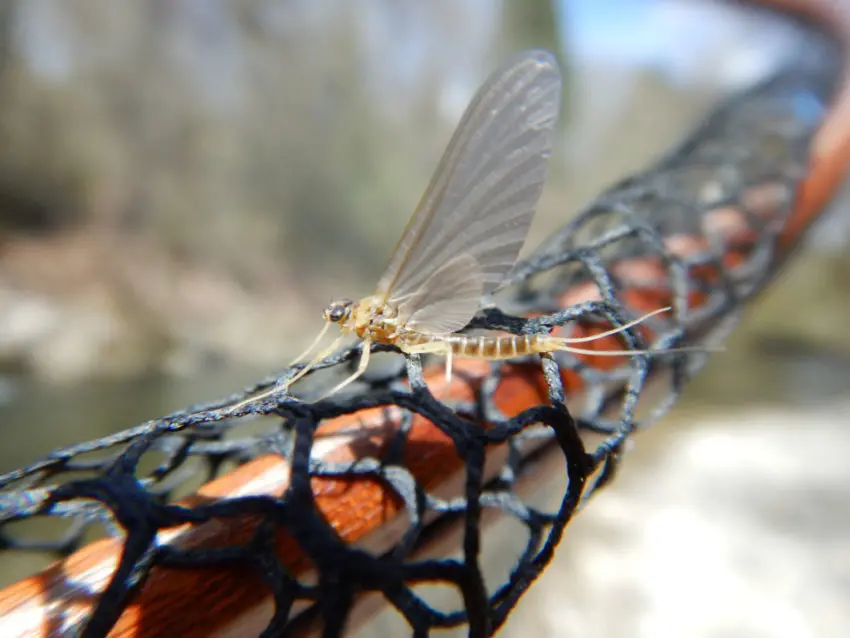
[[338, 311]]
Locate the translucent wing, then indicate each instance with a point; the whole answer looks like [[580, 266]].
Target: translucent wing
[[449, 297], [472, 220]]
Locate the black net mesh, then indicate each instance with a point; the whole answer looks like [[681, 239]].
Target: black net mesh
[[699, 231]]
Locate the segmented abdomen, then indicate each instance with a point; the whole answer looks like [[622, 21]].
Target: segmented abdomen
[[483, 347]]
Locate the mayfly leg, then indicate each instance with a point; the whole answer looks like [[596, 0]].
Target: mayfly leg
[[316, 341], [438, 347], [283, 386], [365, 354]]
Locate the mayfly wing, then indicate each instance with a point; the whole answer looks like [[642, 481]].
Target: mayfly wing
[[448, 299], [471, 223]]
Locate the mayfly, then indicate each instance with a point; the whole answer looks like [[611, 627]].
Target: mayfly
[[466, 232]]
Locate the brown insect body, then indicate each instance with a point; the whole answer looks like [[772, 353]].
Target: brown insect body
[[378, 322], [480, 347]]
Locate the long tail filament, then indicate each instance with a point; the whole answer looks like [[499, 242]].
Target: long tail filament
[[564, 344]]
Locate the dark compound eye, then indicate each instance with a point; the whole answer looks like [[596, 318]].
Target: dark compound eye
[[338, 310]]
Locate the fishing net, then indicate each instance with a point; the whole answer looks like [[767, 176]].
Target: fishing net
[[701, 231]]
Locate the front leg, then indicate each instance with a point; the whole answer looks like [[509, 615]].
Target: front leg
[[365, 353]]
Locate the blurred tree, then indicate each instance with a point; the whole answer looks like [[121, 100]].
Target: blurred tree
[[31, 180], [279, 146], [530, 24], [535, 24], [8, 39], [273, 148]]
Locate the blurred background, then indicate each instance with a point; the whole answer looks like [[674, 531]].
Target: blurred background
[[186, 183]]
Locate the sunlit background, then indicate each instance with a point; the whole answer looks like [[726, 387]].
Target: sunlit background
[[185, 183]]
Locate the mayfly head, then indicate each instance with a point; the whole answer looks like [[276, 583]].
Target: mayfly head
[[338, 311]]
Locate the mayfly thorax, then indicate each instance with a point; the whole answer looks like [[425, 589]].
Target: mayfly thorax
[[466, 233]]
